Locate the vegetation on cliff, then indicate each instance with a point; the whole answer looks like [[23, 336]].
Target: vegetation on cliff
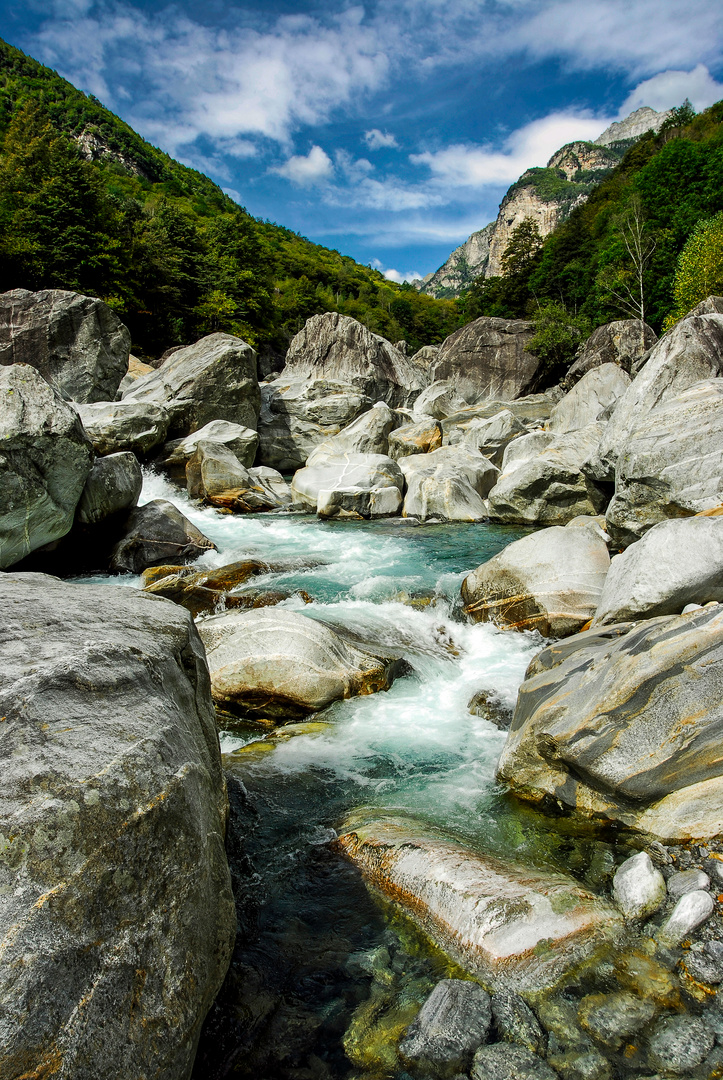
[[160, 242]]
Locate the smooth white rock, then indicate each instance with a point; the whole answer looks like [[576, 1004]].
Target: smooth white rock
[[686, 881], [638, 887], [690, 911]]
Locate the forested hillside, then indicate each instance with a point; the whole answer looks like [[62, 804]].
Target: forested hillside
[[160, 242], [631, 231]]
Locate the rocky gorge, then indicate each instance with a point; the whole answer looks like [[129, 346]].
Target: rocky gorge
[[363, 721]]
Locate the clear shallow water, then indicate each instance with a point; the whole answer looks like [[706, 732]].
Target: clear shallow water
[[325, 977]]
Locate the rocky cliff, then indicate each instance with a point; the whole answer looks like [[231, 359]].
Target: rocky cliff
[[547, 195]]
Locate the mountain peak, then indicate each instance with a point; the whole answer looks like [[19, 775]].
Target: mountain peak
[[633, 126]]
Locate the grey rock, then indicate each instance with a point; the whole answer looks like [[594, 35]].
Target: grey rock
[[638, 887], [693, 909], [279, 664], [117, 915], [707, 967], [439, 400], [676, 563], [632, 693], [452, 1023], [45, 458], [337, 348], [633, 126], [470, 464], [273, 482], [215, 475], [441, 494], [157, 534], [214, 379], [488, 705], [581, 1066], [114, 484], [117, 426], [612, 1019], [550, 581], [685, 881], [506, 1061], [77, 343], [241, 441], [525, 448], [679, 1043], [425, 356], [488, 358], [551, 488], [368, 434], [491, 437], [590, 400], [623, 342], [531, 410], [354, 474], [516, 1022], [654, 479], [421, 438], [712, 305], [297, 415], [690, 352]]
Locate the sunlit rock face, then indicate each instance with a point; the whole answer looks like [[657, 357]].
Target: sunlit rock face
[[513, 927]]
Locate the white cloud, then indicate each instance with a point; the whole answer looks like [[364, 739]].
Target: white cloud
[[379, 140], [305, 170], [393, 275], [670, 88], [354, 169], [477, 166]]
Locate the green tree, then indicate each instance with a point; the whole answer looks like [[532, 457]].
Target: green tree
[[622, 281], [699, 272], [522, 249], [558, 335]]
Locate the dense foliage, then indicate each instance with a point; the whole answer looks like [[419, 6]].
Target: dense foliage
[[160, 242], [700, 267], [667, 183]]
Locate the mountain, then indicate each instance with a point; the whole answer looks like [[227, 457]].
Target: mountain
[[87, 204], [547, 195]]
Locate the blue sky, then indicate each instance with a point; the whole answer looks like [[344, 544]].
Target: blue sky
[[389, 130]]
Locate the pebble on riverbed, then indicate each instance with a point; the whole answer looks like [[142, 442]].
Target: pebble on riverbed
[[453, 1022]]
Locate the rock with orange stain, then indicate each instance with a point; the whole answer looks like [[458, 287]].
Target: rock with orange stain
[[550, 581], [627, 726], [513, 927]]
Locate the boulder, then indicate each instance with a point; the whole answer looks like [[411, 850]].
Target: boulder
[[532, 410], [690, 352], [296, 416], [625, 724], [272, 482], [676, 563], [450, 1026], [419, 438], [204, 591], [356, 475], [491, 917], [157, 534], [488, 358], [525, 448], [550, 581], [638, 887], [425, 356], [117, 917], [117, 426], [672, 464], [467, 464], [77, 343], [136, 369], [623, 343], [215, 475], [679, 1043], [113, 485], [592, 398], [443, 494], [712, 305], [241, 441], [215, 379], [551, 488], [491, 437], [45, 459], [503, 1061], [368, 434], [516, 1022], [279, 664], [337, 348], [439, 400]]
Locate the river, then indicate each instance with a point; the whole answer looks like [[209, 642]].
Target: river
[[325, 975]]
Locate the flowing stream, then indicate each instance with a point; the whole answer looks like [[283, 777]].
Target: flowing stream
[[325, 976]]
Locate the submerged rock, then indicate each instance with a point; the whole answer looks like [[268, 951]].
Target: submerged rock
[[157, 534], [117, 916], [676, 563], [451, 1025], [680, 1043], [280, 664], [613, 1018], [511, 926], [214, 379], [516, 1022], [550, 581], [505, 1061], [45, 459], [642, 760], [77, 343], [691, 910]]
